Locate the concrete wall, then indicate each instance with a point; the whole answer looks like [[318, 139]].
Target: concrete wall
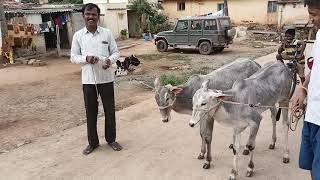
[[113, 1], [251, 10], [114, 16], [239, 10], [38, 40], [0, 41], [77, 21], [292, 14]]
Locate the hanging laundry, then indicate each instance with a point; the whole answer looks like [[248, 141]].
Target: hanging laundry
[[57, 21], [50, 26], [44, 27], [63, 19]]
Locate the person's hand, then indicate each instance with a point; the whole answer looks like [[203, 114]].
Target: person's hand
[[107, 64], [299, 96], [92, 59]]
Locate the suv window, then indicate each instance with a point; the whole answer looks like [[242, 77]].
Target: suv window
[[196, 25], [224, 23], [182, 26], [210, 25]]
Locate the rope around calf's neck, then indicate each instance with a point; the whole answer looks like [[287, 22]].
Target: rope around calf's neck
[[296, 111]]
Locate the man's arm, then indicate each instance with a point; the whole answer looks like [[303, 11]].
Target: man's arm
[[301, 92], [302, 46], [281, 48], [113, 49], [76, 56]]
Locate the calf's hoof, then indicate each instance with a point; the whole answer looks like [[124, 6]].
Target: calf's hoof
[[206, 166], [249, 173], [246, 152], [233, 175], [201, 156], [272, 146], [286, 160], [231, 146]]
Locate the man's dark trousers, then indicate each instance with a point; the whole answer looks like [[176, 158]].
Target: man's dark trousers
[[106, 92]]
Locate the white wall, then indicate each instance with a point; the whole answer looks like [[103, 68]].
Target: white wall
[[114, 16], [0, 40], [34, 18], [39, 39], [290, 14], [113, 1]]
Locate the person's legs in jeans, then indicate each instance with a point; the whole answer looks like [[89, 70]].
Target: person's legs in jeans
[[310, 149]]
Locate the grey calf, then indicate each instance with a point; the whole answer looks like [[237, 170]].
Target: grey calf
[[179, 99], [269, 86]]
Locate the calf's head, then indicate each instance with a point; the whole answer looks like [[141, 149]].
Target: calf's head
[[205, 103], [165, 97]]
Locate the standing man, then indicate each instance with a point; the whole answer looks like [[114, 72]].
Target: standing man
[[310, 141], [95, 49]]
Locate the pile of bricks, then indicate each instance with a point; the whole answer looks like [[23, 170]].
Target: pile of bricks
[[33, 62]]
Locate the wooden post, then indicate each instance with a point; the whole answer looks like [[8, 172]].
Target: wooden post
[[226, 10], [58, 40], [3, 29]]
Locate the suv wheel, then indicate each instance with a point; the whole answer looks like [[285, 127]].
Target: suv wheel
[[205, 48], [162, 45]]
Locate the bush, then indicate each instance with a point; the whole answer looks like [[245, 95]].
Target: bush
[[123, 32], [159, 22]]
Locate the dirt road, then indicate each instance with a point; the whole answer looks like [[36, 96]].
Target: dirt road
[[41, 101], [152, 150]]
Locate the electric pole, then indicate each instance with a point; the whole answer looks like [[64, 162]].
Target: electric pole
[[225, 9], [3, 28]]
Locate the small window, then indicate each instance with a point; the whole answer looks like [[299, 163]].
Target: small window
[[181, 6], [182, 26], [225, 23], [220, 6], [196, 25], [210, 25], [272, 6]]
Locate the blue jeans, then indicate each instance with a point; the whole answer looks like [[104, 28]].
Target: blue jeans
[[310, 149]]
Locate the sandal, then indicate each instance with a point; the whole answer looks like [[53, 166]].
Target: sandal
[[89, 149], [115, 146]]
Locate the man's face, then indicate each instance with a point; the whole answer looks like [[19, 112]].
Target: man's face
[[91, 17], [288, 37], [314, 16]]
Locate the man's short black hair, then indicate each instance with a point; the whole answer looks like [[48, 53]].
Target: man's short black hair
[[312, 3], [90, 6]]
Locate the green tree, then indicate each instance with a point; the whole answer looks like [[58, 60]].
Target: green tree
[[150, 20], [66, 1]]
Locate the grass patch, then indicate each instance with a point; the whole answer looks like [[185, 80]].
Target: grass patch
[[181, 78], [167, 56], [174, 80]]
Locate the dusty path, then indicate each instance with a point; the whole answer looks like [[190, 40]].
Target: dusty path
[[41, 101], [152, 150]]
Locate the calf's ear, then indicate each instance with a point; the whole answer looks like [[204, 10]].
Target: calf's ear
[[222, 96], [176, 90], [205, 85]]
